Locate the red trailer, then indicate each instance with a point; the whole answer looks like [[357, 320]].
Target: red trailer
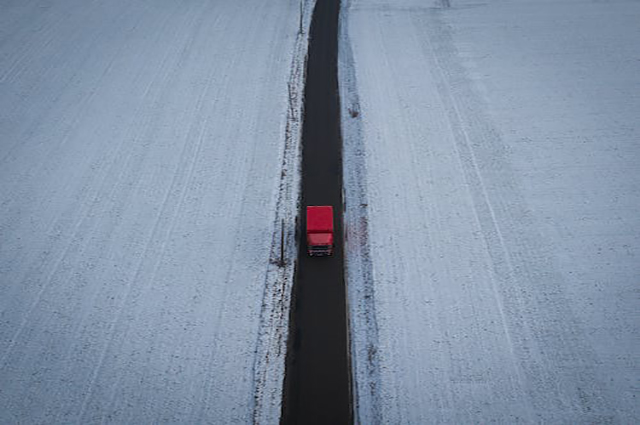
[[320, 230]]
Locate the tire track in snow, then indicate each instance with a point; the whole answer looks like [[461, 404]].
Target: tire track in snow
[[91, 206], [81, 323], [548, 349], [179, 188], [80, 109], [83, 217], [116, 161], [237, 204], [475, 183], [46, 31]]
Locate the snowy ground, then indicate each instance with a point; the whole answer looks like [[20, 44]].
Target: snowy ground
[[493, 190], [141, 186]]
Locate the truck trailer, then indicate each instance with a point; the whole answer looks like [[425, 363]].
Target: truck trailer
[[320, 230]]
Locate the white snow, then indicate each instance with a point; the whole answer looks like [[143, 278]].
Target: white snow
[[492, 188], [148, 156]]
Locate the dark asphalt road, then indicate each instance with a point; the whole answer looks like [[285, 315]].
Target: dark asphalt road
[[317, 384]]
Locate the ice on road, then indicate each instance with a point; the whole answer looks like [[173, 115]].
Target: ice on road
[[141, 183], [492, 187]]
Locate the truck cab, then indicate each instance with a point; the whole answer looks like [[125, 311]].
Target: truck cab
[[320, 230]]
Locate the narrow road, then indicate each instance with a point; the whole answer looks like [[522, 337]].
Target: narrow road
[[317, 383]]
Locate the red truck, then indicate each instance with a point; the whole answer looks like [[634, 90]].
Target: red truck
[[320, 230]]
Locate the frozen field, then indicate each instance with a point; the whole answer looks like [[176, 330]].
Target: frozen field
[[492, 171], [141, 150]]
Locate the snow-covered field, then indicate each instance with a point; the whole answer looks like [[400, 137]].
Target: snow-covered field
[[142, 145], [492, 171]]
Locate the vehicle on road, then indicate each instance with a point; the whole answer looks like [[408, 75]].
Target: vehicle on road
[[320, 230]]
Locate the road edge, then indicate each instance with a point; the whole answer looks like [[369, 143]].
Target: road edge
[[271, 344], [361, 313]]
